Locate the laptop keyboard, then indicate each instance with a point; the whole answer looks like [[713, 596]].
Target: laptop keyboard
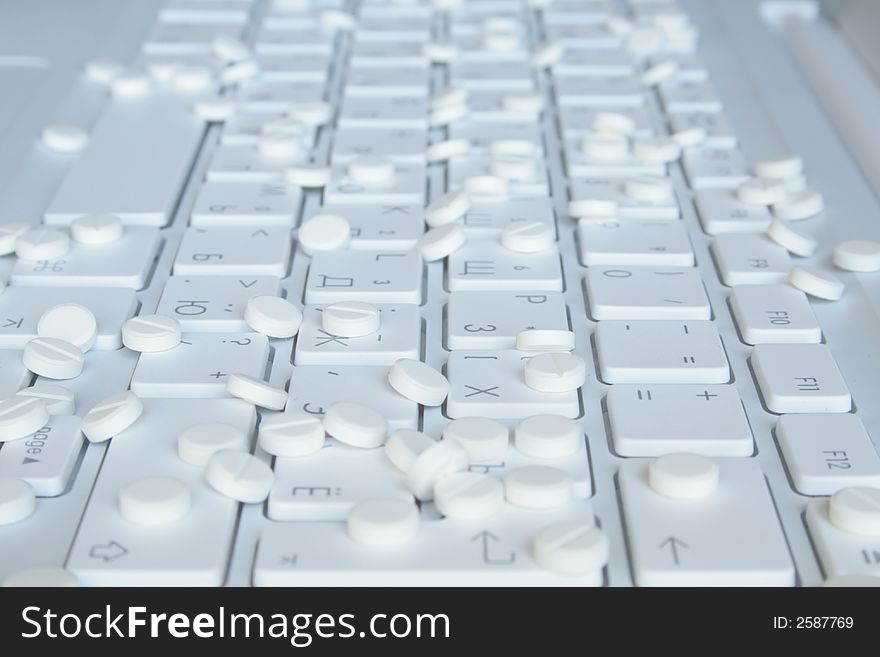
[[597, 364]]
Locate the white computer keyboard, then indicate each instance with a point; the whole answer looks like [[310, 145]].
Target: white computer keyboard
[[626, 386]]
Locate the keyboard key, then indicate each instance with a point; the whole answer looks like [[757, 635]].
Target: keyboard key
[[679, 95], [578, 121], [490, 384], [402, 145], [489, 266], [45, 459], [187, 38], [105, 373], [200, 365], [657, 420], [800, 378], [841, 552], [406, 188], [715, 168], [750, 260], [276, 96], [381, 227], [660, 352], [599, 91], [372, 276], [721, 212], [580, 165], [773, 313], [234, 251], [646, 293], [383, 112], [689, 542], [609, 189], [826, 453], [193, 551], [634, 242], [491, 320], [246, 204], [244, 163], [488, 219], [719, 132]]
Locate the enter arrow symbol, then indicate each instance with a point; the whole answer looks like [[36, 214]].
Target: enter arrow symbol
[[28, 460], [484, 537], [674, 545]]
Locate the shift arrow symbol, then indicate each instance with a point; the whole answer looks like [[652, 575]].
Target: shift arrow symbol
[[674, 544]]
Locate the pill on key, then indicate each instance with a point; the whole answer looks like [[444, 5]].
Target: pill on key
[[418, 381], [65, 138], [761, 191], [308, 175], [256, 391], [799, 205], [324, 232], [683, 476], [404, 446], [589, 208], [371, 169], [45, 577], [70, 322], [513, 167], [279, 146], [350, 319], [96, 229], [53, 358], [447, 208], [792, 240], [355, 425], [612, 123], [483, 439], [273, 316], [383, 522], [555, 372], [544, 340], [857, 255], [605, 147], [311, 113], [240, 476], [656, 74], [782, 167], [198, 443], [214, 109], [58, 399], [42, 244], [486, 185], [468, 495], [447, 149], [151, 333], [438, 461], [292, 434], [112, 416], [537, 487], [21, 416], [856, 510], [155, 501], [656, 150], [571, 549], [547, 436], [649, 189], [17, 500], [528, 236], [817, 284], [440, 242]]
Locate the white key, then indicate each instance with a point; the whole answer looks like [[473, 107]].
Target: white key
[[398, 337], [555, 372], [307, 67], [613, 190], [125, 263], [405, 146], [45, 459], [489, 266], [488, 219], [660, 352], [371, 276], [248, 128], [418, 381], [721, 212], [379, 81], [314, 388], [42, 577], [826, 453], [593, 63], [509, 75], [325, 485], [635, 242], [719, 132], [381, 227], [449, 551], [111, 416], [800, 378], [383, 112], [657, 420], [235, 163], [200, 365], [730, 538], [53, 358], [407, 187], [492, 320], [483, 133], [715, 168], [773, 313], [599, 91], [273, 316], [355, 425], [234, 251], [277, 96], [490, 384], [155, 501], [110, 550], [646, 293], [22, 307], [58, 399], [750, 260], [246, 204], [212, 303], [165, 135], [841, 552], [151, 333], [17, 500], [580, 165], [96, 229], [186, 38], [20, 417], [197, 443], [689, 96], [383, 523]]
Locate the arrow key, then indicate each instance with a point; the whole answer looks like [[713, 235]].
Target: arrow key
[[45, 459]]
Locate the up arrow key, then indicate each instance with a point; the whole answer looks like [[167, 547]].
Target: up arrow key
[[260, 232], [28, 460]]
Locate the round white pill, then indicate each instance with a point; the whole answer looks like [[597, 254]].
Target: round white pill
[[308, 175], [355, 425], [644, 41], [42, 244], [131, 84], [439, 53], [351, 319], [58, 399], [230, 49], [155, 501], [658, 73], [447, 149], [799, 205], [528, 236], [537, 487], [468, 495], [21, 416], [555, 372], [256, 391], [485, 186], [513, 167], [593, 208], [103, 71], [649, 189], [284, 128], [690, 137], [371, 169], [17, 500], [439, 242], [272, 316], [404, 446], [856, 510], [53, 358], [292, 434], [612, 123], [240, 476], [70, 322], [817, 284], [782, 167], [792, 240], [656, 150], [418, 381], [46, 577], [9, 234], [96, 229], [112, 416], [482, 438], [447, 208], [151, 333], [236, 72], [544, 340], [324, 232], [65, 138], [451, 95], [571, 549], [198, 443], [857, 255], [683, 476], [440, 460], [383, 522], [605, 147], [761, 191], [279, 146], [214, 109], [547, 436], [520, 147]]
